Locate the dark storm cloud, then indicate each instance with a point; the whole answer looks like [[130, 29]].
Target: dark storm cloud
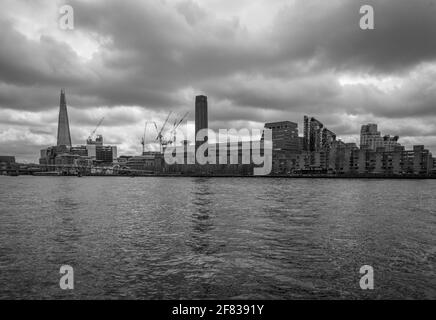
[[150, 51], [25, 62], [304, 94], [156, 50], [328, 31], [157, 55]]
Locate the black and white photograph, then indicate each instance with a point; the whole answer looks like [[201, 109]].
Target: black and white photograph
[[239, 152]]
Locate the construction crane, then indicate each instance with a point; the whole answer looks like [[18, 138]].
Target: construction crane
[[143, 139], [89, 140], [155, 126], [175, 126], [160, 138]]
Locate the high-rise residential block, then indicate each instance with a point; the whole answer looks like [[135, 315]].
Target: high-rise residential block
[[284, 136], [371, 139]]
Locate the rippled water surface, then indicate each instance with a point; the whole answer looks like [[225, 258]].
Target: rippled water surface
[[156, 238]]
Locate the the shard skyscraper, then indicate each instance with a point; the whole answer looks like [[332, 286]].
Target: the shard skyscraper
[[64, 137]]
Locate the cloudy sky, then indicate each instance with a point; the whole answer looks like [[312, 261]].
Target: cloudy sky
[[256, 60]]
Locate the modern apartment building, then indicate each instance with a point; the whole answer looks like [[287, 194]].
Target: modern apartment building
[[371, 139], [284, 136]]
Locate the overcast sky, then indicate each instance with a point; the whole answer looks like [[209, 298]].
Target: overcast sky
[[257, 61]]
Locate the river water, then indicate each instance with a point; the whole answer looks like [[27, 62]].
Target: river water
[[207, 238]]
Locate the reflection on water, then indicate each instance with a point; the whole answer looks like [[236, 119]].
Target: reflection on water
[[154, 238], [202, 222]]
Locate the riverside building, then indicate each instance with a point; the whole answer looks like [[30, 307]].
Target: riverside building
[[64, 156]]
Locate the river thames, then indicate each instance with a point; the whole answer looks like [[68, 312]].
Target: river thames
[[216, 238]]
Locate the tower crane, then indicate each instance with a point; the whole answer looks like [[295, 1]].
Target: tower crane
[[160, 138], [89, 140], [176, 125], [143, 139]]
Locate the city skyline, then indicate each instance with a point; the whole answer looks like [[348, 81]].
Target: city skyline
[[218, 156], [279, 149], [257, 62], [63, 136]]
